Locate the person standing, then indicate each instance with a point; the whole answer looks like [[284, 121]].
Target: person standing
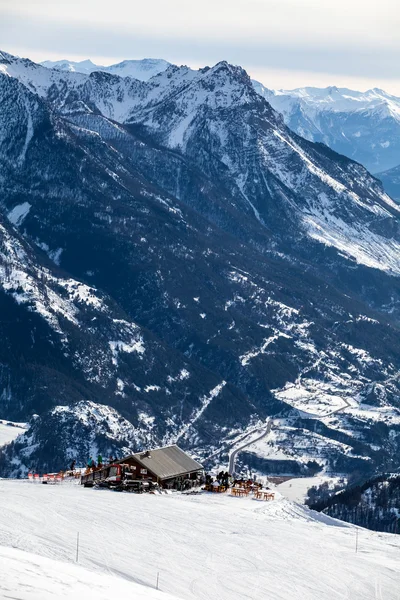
[[99, 460]]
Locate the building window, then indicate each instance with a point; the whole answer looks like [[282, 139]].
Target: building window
[[143, 471]]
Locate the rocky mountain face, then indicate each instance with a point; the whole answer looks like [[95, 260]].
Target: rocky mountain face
[[391, 182], [365, 126], [179, 266]]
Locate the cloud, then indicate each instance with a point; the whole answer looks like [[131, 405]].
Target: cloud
[[353, 21], [344, 39]]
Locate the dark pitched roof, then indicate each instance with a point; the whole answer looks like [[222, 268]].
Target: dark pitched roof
[[166, 462]]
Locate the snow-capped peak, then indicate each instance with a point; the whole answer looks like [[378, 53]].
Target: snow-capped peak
[[364, 126], [84, 66], [138, 69]]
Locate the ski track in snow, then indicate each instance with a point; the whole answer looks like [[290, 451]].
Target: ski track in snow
[[206, 546], [29, 132]]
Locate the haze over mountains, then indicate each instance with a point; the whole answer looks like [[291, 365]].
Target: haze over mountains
[[179, 265]]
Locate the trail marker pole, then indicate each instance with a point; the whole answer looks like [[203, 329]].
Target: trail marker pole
[[158, 577], [77, 547], [356, 540]]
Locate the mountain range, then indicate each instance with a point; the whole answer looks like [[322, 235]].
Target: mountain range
[[365, 126], [142, 69], [178, 265], [391, 181]]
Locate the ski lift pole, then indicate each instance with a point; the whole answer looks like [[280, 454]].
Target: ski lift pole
[[77, 547]]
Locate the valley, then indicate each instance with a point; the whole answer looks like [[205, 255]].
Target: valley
[[182, 267]]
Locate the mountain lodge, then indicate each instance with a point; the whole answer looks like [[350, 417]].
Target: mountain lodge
[[169, 466]]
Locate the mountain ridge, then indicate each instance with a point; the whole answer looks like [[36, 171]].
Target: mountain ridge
[[361, 125], [142, 69]]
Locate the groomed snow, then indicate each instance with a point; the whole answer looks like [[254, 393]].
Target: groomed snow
[[33, 577], [207, 546]]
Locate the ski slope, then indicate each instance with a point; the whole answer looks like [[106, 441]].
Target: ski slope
[[206, 546], [33, 577]]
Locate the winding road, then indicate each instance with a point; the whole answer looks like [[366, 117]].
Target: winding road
[[245, 441], [235, 452]]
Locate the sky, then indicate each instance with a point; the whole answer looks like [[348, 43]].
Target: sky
[[282, 43]]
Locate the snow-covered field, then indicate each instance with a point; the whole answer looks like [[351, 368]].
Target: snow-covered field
[[206, 546], [296, 489], [9, 431]]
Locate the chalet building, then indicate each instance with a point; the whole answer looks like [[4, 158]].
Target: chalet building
[[170, 467]]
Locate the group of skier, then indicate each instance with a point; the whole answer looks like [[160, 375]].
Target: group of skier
[[93, 464], [223, 478]]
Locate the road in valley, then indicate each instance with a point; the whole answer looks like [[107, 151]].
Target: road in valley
[[245, 444], [248, 440]]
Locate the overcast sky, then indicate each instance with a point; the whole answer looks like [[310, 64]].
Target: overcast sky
[[283, 43]]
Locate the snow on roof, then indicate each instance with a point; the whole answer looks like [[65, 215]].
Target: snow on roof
[[166, 462]]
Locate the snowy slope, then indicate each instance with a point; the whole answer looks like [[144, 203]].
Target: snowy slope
[[34, 577], [9, 431], [364, 126], [296, 489], [202, 546], [138, 69]]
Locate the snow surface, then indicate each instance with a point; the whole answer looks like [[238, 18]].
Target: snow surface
[[18, 213], [205, 546], [34, 577], [9, 431], [296, 489]]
